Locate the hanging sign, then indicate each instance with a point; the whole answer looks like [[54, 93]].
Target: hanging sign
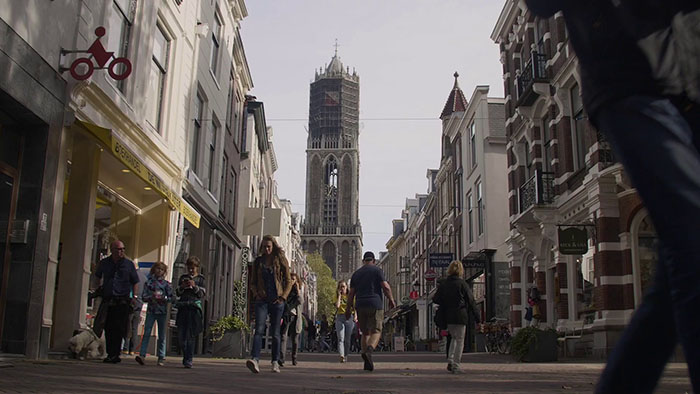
[[99, 59], [413, 295], [440, 260], [573, 240], [430, 274]]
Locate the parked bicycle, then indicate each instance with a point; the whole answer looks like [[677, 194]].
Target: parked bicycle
[[497, 335]]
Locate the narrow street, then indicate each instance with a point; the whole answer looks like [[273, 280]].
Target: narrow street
[[317, 373]]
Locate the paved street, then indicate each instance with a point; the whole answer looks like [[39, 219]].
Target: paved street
[[316, 373]]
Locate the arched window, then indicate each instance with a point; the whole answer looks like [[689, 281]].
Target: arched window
[[332, 172], [644, 253]]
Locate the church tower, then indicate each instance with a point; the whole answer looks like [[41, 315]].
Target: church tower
[[332, 226]]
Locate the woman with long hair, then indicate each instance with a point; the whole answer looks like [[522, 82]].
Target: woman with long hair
[[343, 325], [270, 283], [456, 297]]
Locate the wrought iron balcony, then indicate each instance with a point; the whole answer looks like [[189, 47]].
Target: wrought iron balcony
[[534, 71], [538, 190]]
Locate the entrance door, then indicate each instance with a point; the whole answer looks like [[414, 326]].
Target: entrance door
[[7, 209]]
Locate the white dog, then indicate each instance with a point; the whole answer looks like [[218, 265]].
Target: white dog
[[86, 344]]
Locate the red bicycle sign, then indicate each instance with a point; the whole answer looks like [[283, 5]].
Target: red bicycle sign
[[102, 58]]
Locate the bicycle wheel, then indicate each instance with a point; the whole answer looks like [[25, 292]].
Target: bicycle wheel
[[504, 345]]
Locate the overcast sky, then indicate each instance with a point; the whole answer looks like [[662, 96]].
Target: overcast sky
[[405, 52]]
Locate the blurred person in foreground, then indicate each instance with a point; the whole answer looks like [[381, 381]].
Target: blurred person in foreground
[[640, 73]]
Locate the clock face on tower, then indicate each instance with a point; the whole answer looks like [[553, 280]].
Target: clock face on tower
[[331, 99], [330, 190]]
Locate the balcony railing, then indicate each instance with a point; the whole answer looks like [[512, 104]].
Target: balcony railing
[[538, 190], [533, 71]]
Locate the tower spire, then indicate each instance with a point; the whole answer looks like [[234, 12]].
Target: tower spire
[[336, 47]]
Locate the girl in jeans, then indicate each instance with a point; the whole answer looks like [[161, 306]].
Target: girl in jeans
[[270, 283], [191, 292], [156, 293], [343, 326]]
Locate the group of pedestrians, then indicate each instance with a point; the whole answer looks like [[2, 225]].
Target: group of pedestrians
[[273, 286], [120, 299]]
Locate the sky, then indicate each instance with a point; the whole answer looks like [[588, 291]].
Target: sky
[[405, 52]]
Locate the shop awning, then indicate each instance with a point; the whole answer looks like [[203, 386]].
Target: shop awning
[[137, 166]]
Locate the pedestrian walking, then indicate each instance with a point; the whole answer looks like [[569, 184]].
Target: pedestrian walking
[[367, 285], [292, 320], [641, 87], [311, 335], [343, 325], [119, 283], [190, 292], [323, 337], [456, 297], [270, 284], [130, 341], [157, 293]]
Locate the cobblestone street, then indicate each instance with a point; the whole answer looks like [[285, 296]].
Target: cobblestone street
[[316, 373]]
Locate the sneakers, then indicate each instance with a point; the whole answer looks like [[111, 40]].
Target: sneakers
[[367, 357], [188, 365], [449, 367], [281, 363], [139, 360], [112, 360], [342, 359], [253, 366], [275, 367], [294, 361], [160, 363]]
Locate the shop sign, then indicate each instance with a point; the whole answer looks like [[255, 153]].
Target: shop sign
[[82, 68], [413, 295], [430, 274], [573, 240], [440, 260]]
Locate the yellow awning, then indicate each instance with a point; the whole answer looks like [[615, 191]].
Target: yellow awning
[[131, 161]]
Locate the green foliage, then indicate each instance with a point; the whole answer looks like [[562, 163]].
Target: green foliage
[[521, 341], [325, 285], [235, 321], [227, 323]]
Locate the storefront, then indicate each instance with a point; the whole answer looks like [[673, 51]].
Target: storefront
[[111, 192]]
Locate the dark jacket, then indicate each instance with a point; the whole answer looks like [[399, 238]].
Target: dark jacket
[[283, 278], [456, 297]]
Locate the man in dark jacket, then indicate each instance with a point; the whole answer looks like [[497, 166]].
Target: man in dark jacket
[[649, 110]]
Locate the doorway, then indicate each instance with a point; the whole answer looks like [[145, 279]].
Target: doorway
[[8, 202]]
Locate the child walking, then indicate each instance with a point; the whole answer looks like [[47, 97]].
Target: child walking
[[190, 292], [157, 292]]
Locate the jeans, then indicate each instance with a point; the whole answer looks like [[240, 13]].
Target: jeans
[[115, 328], [454, 355], [287, 324], [262, 309], [148, 327], [344, 329], [187, 346], [659, 145]]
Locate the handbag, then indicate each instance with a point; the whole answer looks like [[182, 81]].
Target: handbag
[[440, 318]]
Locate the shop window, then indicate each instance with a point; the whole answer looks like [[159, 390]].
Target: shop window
[[121, 19], [156, 84]]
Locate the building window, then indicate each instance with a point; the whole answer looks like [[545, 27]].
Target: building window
[[237, 124], [196, 133], [156, 84], [480, 207], [120, 21], [470, 211], [212, 150], [332, 173], [215, 38], [224, 186], [472, 143], [232, 187], [547, 140], [578, 128], [229, 104]]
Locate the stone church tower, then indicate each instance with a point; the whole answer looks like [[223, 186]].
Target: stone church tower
[[332, 226]]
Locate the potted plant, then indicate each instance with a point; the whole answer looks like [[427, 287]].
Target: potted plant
[[228, 333], [531, 344]]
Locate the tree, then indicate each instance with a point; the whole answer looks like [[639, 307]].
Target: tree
[[325, 285]]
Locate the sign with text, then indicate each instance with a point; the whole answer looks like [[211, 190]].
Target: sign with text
[[573, 241], [430, 274], [440, 260]]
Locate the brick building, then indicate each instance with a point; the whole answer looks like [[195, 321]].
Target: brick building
[[561, 173]]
